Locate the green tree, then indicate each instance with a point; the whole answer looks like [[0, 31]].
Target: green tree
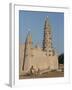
[[61, 59]]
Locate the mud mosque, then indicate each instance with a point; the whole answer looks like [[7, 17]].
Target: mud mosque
[[38, 58]]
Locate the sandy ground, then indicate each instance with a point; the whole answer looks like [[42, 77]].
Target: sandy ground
[[45, 75]]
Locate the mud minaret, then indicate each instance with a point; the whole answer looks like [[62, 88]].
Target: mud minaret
[[27, 54], [47, 46], [47, 41]]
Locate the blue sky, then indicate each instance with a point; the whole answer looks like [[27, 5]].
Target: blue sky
[[34, 22]]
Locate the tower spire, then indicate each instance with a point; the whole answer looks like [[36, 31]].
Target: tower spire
[[28, 41], [27, 51], [47, 41]]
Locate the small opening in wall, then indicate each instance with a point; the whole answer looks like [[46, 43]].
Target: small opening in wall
[[32, 55], [50, 38], [49, 50], [49, 54], [26, 55]]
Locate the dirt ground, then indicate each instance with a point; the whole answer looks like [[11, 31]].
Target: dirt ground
[[44, 75]]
